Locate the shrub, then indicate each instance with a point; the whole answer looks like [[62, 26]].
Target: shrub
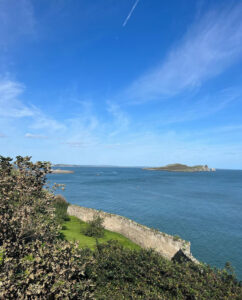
[[176, 237], [34, 263], [121, 273], [47, 271], [95, 227], [26, 211], [60, 205]]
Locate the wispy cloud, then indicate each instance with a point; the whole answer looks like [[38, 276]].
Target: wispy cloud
[[73, 144], [35, 136], [42, 121], [89, 130], [83, 128], [202, 107], [120, 119], [78, 144], [10, 104], [227, 128], [211, 45], [217, 132], [12, 107], [130, 13]]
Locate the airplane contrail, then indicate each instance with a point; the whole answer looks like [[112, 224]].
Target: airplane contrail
[[130, 13]]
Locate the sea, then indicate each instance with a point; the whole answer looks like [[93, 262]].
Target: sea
[[204, 208]]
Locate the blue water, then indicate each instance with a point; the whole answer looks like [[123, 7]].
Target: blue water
[[203, 208]]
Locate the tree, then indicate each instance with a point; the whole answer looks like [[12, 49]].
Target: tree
[[33, 261], [95, 227]]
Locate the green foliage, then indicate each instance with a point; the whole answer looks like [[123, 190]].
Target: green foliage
[[26, 213], [72, 230], [95, 227], [36, 264], [176, 238], [120, 273], [49, 271], [60, 205]]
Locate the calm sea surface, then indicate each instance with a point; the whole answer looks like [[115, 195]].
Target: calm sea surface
[[203, 208]]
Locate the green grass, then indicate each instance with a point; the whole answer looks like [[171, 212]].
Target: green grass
[[72, 231]]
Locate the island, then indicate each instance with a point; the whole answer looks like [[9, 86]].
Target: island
[[182, 168], [59, 171]]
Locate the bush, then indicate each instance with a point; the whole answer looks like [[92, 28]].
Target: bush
[[121, 273], [34, 263], [95, 227], [176, 237], [61, 205], [26, 210]]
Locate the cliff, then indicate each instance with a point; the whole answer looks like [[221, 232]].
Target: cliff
[[182, 168], [167, 245]]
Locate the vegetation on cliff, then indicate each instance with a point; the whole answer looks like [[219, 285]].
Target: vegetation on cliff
[[74, 229], [36, 264]]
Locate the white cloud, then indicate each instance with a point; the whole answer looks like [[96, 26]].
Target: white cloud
[[218, 132], [78, 144], [211, 45], [74, 144], [86, 130], [227, 128], [35, 136], [10, 105], [203, 107], [120, 119], [42, 121]]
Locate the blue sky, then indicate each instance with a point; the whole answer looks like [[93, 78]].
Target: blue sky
[[127, 83]]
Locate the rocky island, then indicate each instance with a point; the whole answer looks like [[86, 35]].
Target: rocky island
[[182, 168]]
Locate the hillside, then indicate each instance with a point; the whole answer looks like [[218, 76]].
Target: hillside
[[36, 261]]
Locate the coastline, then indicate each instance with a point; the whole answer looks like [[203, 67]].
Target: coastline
[[59, 171], [168, 246]]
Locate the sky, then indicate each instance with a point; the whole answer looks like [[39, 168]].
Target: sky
[[126, 83]]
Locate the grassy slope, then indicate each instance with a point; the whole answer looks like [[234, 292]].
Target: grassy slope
[[72, 231]]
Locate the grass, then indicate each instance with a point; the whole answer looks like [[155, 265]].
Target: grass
[[73, 228]]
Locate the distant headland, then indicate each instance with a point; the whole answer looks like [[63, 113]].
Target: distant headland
[[182, 168], [84, 166], [65, 166], [59, 171]]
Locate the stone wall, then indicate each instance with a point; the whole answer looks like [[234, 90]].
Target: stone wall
[[147, 238]]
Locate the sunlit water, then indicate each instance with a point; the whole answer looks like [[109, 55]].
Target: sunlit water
[[204, 208]]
